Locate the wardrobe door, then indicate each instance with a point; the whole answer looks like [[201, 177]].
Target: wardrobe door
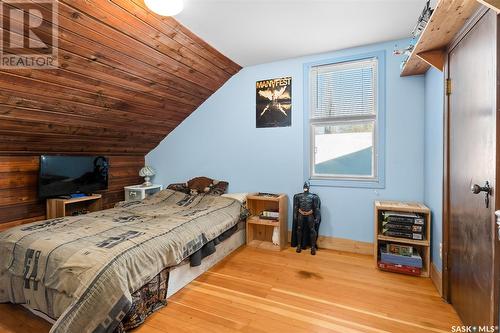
[[471, 174]]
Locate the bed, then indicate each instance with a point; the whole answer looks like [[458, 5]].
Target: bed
[[97, 272]]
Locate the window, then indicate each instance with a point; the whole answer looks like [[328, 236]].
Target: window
[[344, 122]]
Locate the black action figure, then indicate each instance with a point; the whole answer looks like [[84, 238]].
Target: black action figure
[[306, 216]]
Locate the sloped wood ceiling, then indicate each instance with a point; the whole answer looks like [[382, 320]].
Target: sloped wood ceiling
[[127, 78]]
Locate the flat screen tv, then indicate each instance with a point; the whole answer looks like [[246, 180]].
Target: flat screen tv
[[65, 175]]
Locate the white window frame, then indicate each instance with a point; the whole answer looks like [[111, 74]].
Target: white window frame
[[377, 178]]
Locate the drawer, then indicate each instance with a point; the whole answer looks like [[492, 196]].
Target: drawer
[[133, 195]]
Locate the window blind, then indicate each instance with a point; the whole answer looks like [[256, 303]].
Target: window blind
[[345, 89]]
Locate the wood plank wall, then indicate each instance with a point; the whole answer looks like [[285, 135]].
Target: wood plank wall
[[126, 78], [19, 179]]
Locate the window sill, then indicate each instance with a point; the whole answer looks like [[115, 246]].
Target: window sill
[[370, 184]]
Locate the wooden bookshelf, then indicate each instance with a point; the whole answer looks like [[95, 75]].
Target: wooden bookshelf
[[423, 246], [260, 231]]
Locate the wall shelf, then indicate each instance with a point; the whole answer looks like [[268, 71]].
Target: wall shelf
[[493, 4], [448, 18]]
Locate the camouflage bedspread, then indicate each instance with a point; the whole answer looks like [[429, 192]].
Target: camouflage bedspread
[[82, 270]]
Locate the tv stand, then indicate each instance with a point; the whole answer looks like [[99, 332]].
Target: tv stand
[[60, 207]]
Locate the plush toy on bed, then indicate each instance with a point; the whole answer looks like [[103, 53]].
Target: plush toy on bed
[[200, 185]]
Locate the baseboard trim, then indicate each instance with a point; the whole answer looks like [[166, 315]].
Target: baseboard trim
[[342, 244], [437, 279]]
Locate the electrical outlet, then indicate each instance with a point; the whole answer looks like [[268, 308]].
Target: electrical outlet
[[441, 250]]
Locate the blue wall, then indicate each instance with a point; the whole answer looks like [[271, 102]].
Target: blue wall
[[433, 161], [220, 140]]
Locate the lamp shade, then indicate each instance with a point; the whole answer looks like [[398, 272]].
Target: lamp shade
[[147, 171], [165, 7]]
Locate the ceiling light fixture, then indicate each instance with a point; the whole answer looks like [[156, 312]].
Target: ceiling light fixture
[[165, 7]]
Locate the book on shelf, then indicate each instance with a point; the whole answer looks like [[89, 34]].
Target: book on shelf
[[404, 250], [403, 218], [415, 260], [409, 270], [267, 195], [403, 234], [403, 227], [270, 213]]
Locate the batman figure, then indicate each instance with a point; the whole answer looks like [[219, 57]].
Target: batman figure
[[306, 220]]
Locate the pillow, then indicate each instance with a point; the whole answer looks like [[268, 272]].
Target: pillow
[[241, 197], [199, 185]]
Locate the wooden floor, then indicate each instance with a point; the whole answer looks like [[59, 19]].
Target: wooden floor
[[259, 291]]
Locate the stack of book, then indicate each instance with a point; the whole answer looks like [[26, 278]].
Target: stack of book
[[400, 259], [403, 225], [270, 215]]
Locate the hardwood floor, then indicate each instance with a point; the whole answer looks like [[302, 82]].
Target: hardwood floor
[[254, 290]]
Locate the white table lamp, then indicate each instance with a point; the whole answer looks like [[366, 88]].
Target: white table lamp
[[147, 172]]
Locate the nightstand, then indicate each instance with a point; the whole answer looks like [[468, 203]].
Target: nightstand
[[260, 228], [139, 192]]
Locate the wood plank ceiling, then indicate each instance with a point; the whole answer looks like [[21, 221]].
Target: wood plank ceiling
[[127, 77]]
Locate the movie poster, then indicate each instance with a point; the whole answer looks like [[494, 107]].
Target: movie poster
[[274, 103]]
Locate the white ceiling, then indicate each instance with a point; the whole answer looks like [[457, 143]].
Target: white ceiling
[[258, 31]]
